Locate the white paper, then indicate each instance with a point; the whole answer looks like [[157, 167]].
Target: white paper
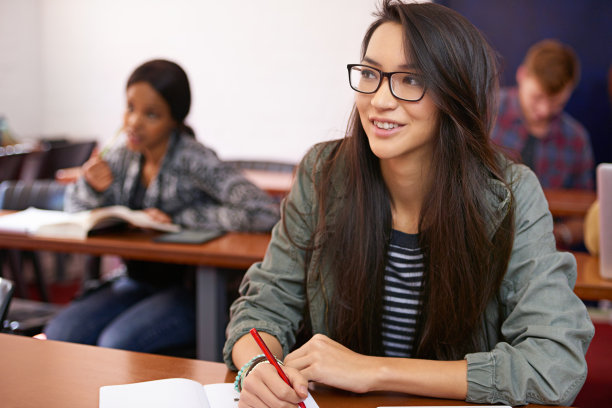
[[60, 224], [167, 393], [30, 220], [310, 402], [172, 393], [222, 395]]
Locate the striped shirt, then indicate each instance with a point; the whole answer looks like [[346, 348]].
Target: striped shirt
[[402, 290]]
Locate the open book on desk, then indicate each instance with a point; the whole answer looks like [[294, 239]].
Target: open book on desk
[[60, 224], [174, 392]]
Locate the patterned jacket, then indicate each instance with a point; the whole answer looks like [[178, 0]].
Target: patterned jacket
[[193, 187]]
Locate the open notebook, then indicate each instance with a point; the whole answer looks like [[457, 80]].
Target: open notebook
[[174, 392], [60, 224], [167, 393], [604, 195]]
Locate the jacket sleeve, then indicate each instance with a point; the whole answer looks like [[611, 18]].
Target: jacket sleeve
[[236, 205], [81, 196], [545, 329], [272, 294]]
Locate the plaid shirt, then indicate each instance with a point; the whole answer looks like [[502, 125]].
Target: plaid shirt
[[562, 159]]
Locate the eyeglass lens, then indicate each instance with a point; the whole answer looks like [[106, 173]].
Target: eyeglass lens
[[404, 85]]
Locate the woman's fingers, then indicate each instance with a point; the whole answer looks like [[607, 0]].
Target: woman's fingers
[[158, 215], [263, 387], [298, 382], [97, 173], [326, 361]]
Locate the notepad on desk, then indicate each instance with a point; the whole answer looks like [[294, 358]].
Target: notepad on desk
[[173, 392], [60, 224]]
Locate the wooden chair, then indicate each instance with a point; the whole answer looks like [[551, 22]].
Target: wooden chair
[[272, 166]]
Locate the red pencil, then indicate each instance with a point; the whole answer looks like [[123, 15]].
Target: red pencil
[[271, 359]]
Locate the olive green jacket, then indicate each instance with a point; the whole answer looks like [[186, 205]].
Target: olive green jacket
[[534, 342]]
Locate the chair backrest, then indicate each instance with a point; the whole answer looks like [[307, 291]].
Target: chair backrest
[[6, 294], [273, 166], [56, 156], [43, 194], [10, 165]]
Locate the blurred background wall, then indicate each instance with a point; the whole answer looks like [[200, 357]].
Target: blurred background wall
[[586, 25], [268, 76]]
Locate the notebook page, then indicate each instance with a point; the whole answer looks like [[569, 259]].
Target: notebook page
[[224, 396], [167, 393]]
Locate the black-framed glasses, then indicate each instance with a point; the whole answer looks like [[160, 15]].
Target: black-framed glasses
[[406, 86]]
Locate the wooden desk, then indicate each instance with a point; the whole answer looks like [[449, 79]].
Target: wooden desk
[[273, 182], [589, 284], [569, 203], [233, 250], [51, 374]]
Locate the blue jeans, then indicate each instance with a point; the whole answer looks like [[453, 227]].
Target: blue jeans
[[128, 315]]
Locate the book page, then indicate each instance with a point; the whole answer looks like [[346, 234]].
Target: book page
[[166, 393], [30, 220], [106, 216]]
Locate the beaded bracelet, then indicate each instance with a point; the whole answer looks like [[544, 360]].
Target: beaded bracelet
[[251, 368], [238, 380]]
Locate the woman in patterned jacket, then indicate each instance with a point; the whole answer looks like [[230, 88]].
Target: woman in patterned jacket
[[164, 171]]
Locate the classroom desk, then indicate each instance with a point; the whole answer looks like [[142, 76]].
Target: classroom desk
[[569, 203], [233, 251], [275, 183], [51, 374], [589, 284]]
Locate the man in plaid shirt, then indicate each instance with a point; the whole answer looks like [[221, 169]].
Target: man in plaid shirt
[[533, 128]]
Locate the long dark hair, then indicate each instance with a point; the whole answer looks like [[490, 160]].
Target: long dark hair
[[464, 261], [171, 82]]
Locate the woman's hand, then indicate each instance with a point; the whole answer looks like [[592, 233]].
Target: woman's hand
[[97, 173], [263, 387], [158, 215], [328, 362]]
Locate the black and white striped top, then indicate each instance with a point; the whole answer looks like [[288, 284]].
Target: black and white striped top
[[402, 290]]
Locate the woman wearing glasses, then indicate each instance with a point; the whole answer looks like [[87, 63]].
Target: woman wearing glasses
[[411, 256]]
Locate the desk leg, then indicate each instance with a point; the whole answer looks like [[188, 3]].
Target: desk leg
[[211, 313]]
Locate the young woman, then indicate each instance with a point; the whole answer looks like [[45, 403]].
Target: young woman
[[411, 256], [164, 171]]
